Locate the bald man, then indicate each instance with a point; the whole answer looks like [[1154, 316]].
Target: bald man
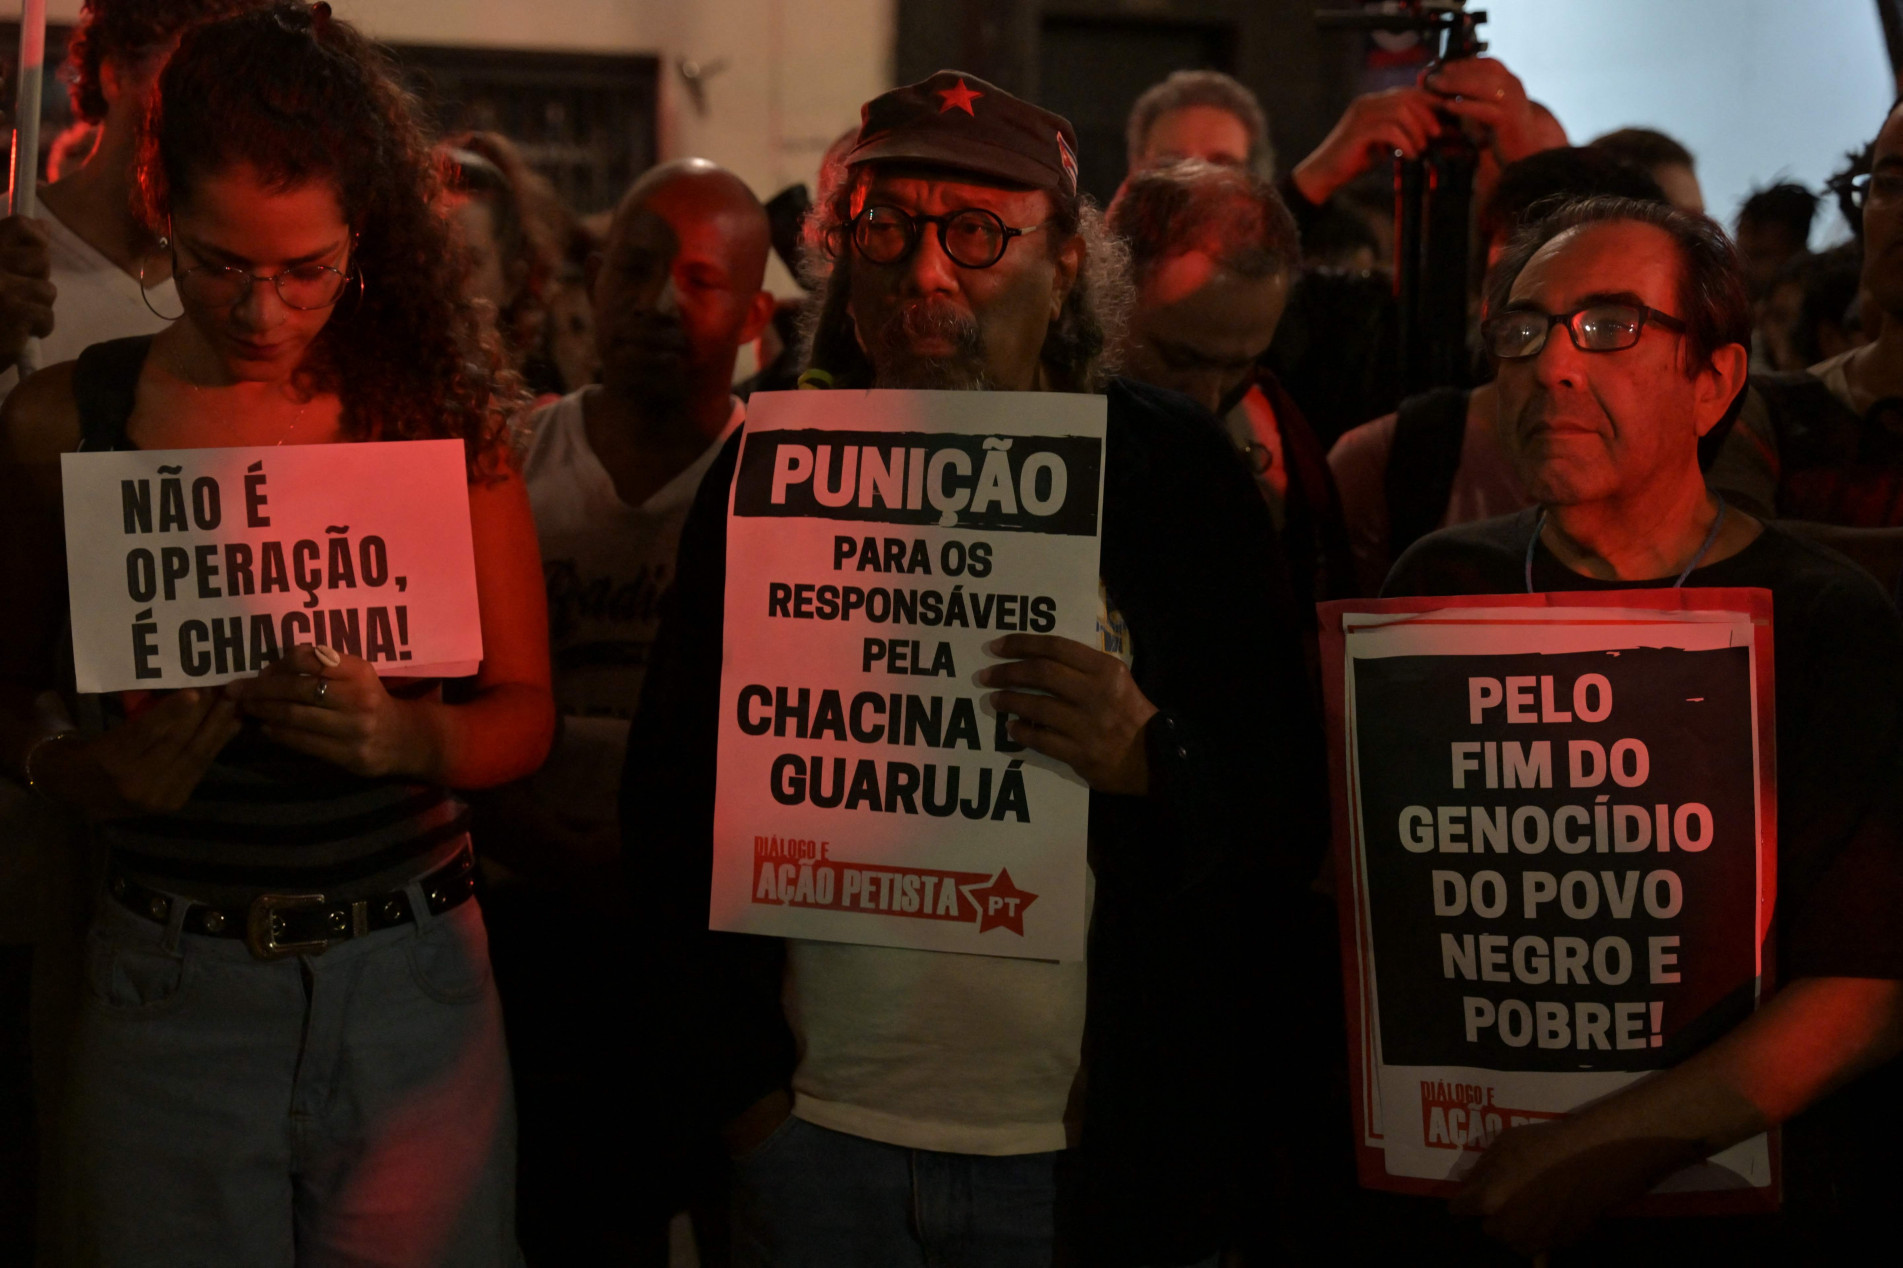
[[611, 471]]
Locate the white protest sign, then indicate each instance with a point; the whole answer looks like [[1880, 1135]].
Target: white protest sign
[[876, 543], [192, 567]]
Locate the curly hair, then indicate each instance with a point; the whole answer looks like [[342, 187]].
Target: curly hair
[[531, 226], [302, 97], [1078, 348], [131, 31]]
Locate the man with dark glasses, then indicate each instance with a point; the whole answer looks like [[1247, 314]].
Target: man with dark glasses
[[1618, 330], [891, 1107]]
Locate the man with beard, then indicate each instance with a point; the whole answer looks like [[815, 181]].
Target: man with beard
[[895, 1107], [1618, 328], [611, 470]]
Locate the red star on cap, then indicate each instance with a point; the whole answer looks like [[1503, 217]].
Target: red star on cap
[[959, 98], [1001, 904]]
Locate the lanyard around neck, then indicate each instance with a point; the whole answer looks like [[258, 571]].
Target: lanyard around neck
[[1717, 522]]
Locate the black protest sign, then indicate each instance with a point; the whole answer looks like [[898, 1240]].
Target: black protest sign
[[1568, 879], [1556, 842]]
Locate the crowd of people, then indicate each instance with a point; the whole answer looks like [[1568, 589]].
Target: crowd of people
[[482, 1016]]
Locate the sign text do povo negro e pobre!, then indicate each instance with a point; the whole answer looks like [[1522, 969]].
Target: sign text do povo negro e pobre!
[[1557, 838]]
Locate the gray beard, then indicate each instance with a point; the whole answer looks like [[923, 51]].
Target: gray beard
[[894, 365]]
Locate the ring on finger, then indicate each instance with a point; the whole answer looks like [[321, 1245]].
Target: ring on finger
[[323, 689]]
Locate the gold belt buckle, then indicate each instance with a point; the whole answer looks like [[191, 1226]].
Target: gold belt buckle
[[263, 924]]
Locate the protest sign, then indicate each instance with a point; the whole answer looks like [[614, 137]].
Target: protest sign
[[1556, 848], [877, 543], [192, 567]]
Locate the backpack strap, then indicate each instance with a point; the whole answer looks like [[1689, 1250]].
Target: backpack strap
[[1429, 432], [1812, 426], [105, 385]]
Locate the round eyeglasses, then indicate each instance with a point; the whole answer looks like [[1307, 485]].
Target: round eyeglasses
[[972, 238], [1522, 332], [306, 287]]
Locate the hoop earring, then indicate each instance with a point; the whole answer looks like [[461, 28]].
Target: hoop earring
[[356, 296], [145, 294]]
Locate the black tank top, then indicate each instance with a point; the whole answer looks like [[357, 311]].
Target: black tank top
[[264, 818]]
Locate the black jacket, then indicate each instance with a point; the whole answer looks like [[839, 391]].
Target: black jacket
[[1197, 883]]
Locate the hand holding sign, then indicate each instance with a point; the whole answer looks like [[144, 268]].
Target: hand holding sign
[[151, 765], [333, 706], [877, 544], [26, 291], [1543, 1185], [194, 567], [1556, 861], [1090, 717]]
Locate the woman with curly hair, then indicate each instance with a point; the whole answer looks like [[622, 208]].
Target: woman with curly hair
[[511, 223], [229, 1100]]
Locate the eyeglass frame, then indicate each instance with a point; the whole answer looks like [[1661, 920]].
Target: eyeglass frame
[[940, 223], [1863, 184], [276, 279], [1647, 316]]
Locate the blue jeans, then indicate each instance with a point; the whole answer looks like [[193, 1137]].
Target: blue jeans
[[812, 1198], [351, 1107]]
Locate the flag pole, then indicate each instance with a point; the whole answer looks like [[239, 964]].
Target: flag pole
[[25, 168], [23, 186]]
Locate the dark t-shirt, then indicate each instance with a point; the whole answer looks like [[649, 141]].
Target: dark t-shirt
[[1838, 662]]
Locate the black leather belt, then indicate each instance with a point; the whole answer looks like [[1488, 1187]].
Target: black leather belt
[[278, 925]]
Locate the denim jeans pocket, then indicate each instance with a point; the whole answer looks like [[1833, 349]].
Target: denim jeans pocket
[[774, 1139], [449, 957], [133, 978]]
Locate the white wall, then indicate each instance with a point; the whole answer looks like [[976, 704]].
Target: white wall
[[1758, 90], [797, 70]]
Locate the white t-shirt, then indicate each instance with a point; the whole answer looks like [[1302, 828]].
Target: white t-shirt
[[96, 301], [606, 565], [1835, 372], [970, 1054]]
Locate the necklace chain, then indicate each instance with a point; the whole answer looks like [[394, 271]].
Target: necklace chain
[[1711, 537]]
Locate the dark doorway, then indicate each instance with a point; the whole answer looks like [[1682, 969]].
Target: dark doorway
[[1090, 70]]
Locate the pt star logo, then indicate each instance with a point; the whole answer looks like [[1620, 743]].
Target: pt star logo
[[959, 98], [1000, 904]]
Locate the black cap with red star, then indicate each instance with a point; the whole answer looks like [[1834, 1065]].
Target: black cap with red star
[[957, 120]]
